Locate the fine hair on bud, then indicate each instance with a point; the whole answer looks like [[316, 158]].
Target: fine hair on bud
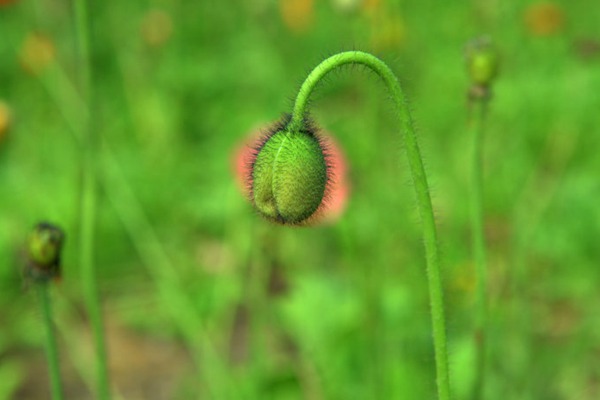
[[289, 174]]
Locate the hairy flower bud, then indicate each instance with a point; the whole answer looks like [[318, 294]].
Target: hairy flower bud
[[289, 176], [253, 174]]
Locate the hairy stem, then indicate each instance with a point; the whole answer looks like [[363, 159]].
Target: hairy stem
[[419, 181], [88, 200], [478, 243], [51, 347]]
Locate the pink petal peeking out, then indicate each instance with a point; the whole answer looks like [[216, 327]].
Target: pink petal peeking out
[[337, 189]]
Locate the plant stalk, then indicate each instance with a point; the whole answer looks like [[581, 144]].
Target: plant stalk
[[478, 244], [419, 180], [51, 346], [88, 199]]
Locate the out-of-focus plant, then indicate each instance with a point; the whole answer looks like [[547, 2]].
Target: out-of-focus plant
[[5, 120], [297, 15], [88, 196], [42, 266], [544, 19], [482, 67]]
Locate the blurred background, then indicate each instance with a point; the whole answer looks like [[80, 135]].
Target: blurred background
[[201, 297]]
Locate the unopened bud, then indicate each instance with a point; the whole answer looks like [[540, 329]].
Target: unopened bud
[[44, 247], [482, 61], [289, 176]]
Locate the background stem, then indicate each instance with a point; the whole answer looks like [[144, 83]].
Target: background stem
[[419, 181], [88, 199], [51, 347], [478, 243]]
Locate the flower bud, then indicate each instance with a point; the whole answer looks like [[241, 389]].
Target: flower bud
[[482, 61], [289, 176], [337, 188], [44, 246]]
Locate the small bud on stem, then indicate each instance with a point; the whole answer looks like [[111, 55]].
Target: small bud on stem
[[44, 246], [482, 66]]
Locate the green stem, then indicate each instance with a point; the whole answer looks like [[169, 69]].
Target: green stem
[[261, 262], [478, 243], [51, 347], [419, 181], [88, 200]]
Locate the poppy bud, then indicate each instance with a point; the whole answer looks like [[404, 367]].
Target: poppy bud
[[289, 175], [337, 188]]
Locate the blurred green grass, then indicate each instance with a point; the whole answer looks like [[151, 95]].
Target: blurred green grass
[[335, 312]]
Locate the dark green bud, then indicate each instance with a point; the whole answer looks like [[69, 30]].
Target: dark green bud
[[482, 61], [44, 246], [289, 175]]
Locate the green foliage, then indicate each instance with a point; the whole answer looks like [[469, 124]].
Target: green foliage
[[172, 115], [11, 375]]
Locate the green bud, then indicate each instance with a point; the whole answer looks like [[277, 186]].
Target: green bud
[[44, 246], [482, 61], [289, 176]]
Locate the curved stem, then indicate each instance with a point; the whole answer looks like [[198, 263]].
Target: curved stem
[[419, 181], [51, 347], [478, 243], [88, 200]]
